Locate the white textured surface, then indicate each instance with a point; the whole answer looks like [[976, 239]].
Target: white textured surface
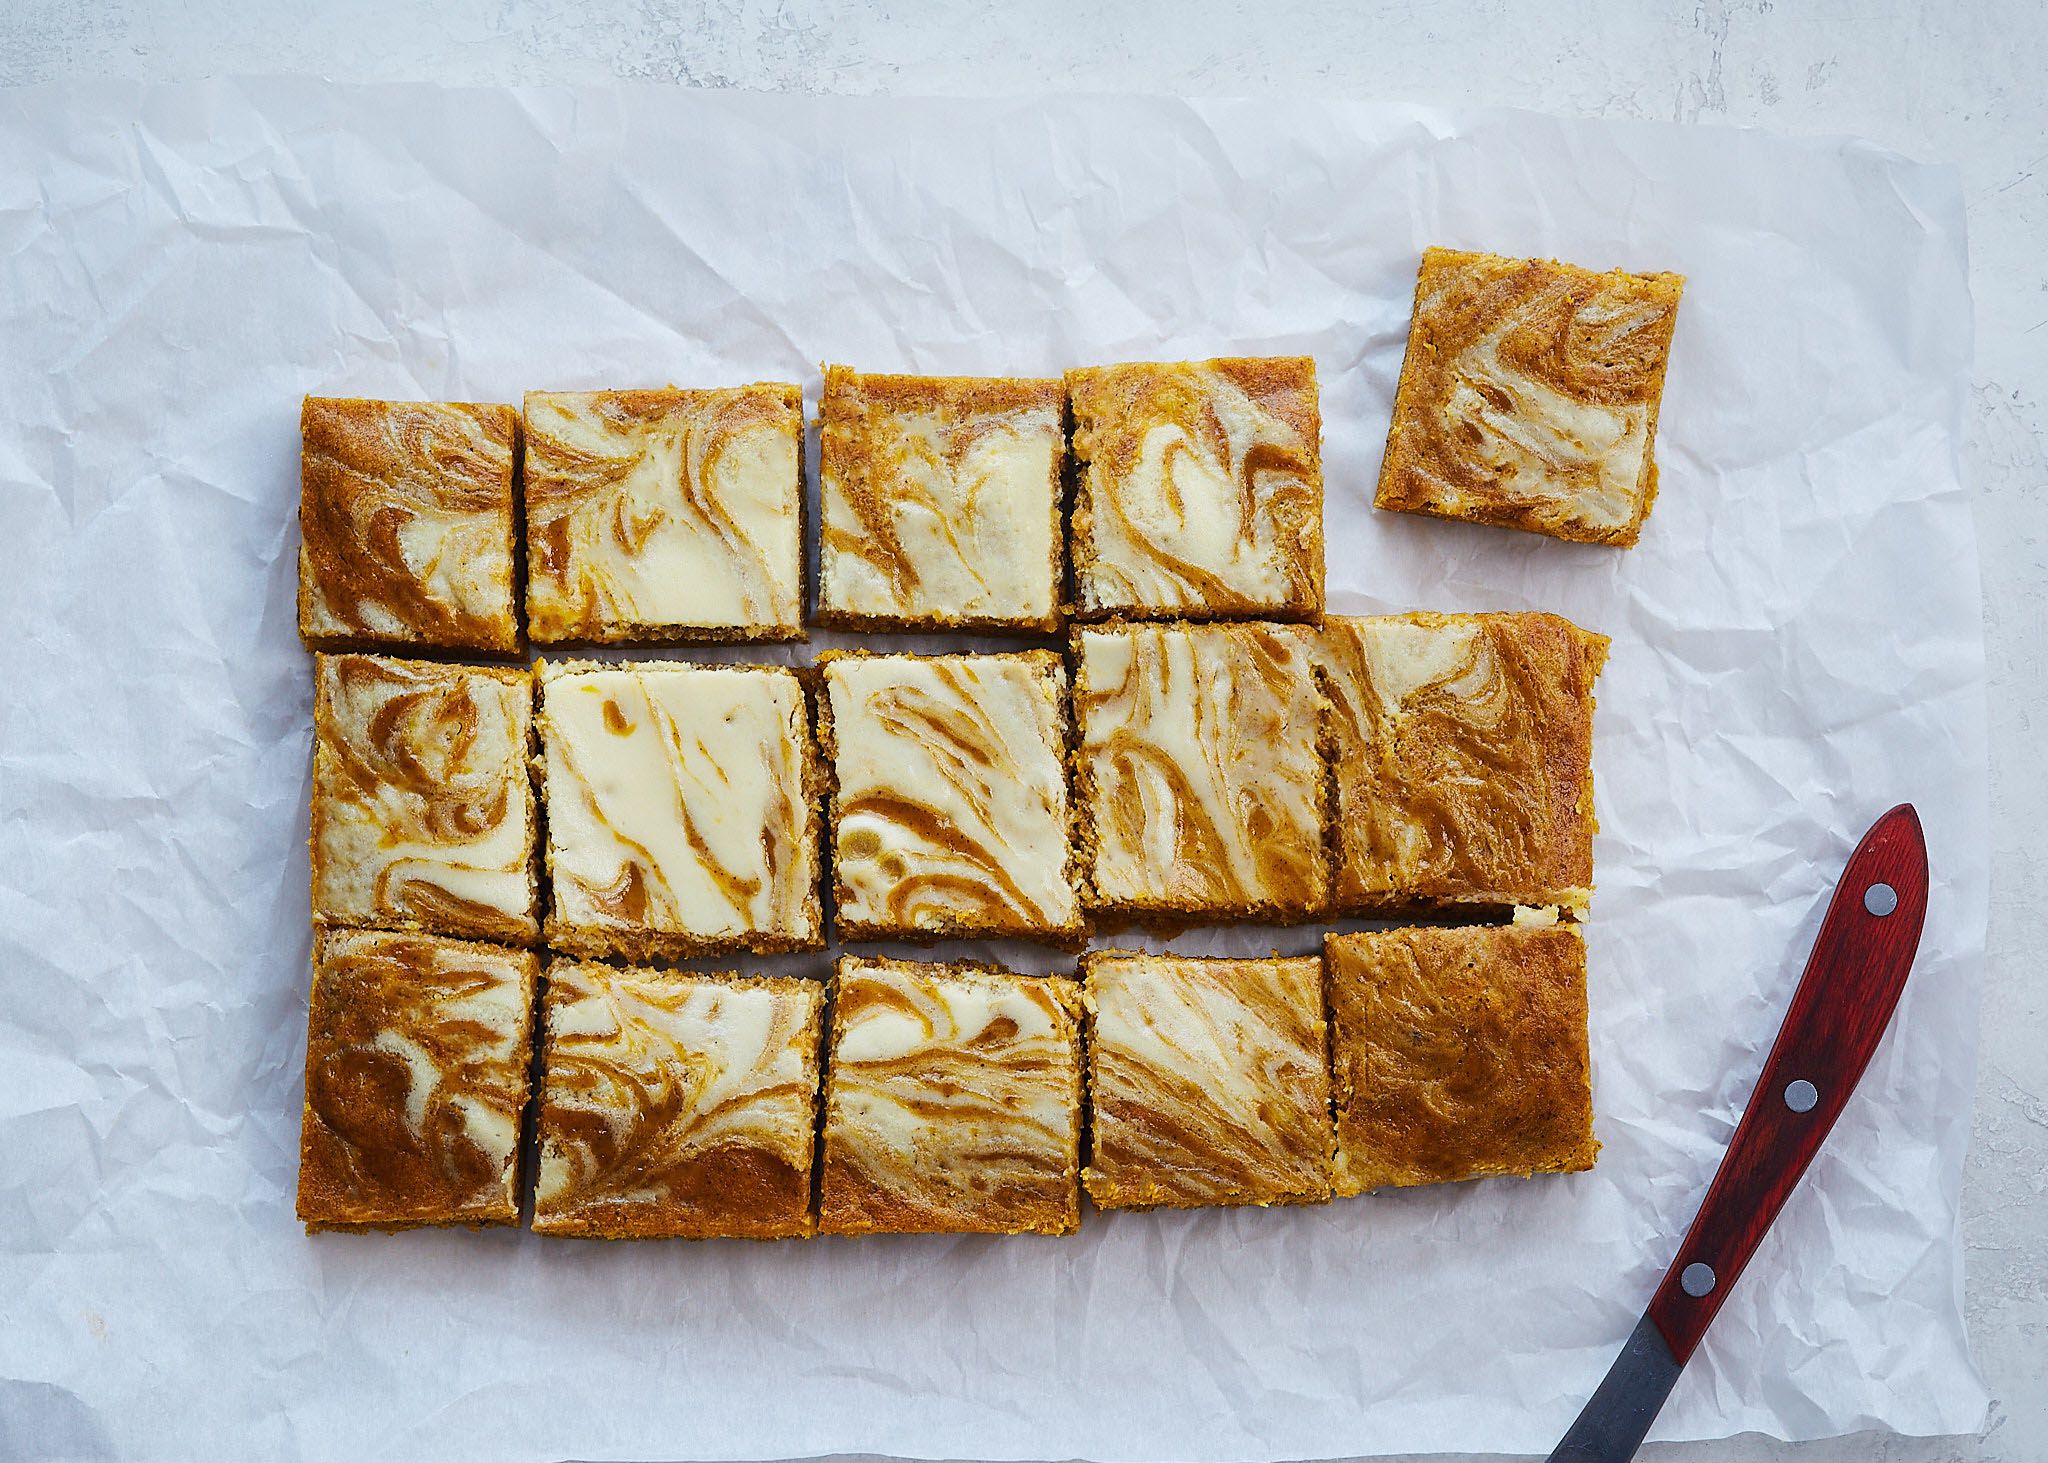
[[1962, 83]]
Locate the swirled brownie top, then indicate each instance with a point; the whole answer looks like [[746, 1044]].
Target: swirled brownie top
[[949, 810], [1529, 396], [405, 524], [941, 500], [952, 1101], [1462, 749], [675, 1104], [1199, 490], [423, 808], [1206, 1080], [1199, 776], [664, 515], [681, 816], [416, 1075]]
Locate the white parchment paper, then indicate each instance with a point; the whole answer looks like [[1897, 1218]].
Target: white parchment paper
[[1796, 647]]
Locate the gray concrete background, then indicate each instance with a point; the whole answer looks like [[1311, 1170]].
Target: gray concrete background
[[1964, 82]]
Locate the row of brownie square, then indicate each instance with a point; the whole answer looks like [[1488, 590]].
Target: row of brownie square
[[677, 515], [1216, 771], [933, 1098]]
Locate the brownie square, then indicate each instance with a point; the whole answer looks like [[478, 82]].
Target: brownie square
[[1206, 1081], [952, 1101], [665, 515], [941, 502], [405, 525], [423, 806], [1463, 757], [681, 805], [1199, 778], [1198, 490], [417, 1051], [949, 804], [676, 1105], [1459, 1053], [1529, 396]]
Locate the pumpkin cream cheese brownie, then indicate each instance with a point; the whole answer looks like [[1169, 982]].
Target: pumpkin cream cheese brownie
[[949, 802], [665, 515], [1529, 396], [1206, 1081], [417, 1054], [1198, 490], [676, 1105], [1459, 1053], [952, 1101], [941, 500], [1463, 757], [423, 806], [682, 809], [1199, 778], [405, 525]]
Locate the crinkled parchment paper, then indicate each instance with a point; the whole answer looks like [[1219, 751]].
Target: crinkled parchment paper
[[1796, 647]]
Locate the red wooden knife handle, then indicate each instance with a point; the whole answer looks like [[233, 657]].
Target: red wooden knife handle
[[1844, 1001]]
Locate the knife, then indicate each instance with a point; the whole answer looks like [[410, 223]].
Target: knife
[[1844, 1002]]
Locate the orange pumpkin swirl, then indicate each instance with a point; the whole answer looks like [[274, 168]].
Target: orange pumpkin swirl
[[423, 810], [1206, 1081], [1200, 779], [1463, 757], [405, 524], [676, 1104], [416, 1075], [1199, 490], [950, 809], [664, 514], [941, 500], [953, 1101], [1529, 396]]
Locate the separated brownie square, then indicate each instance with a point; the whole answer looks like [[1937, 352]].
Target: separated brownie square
[[1199, 777], [1463, 749], [949, 803], [676, 1105], [417, 1052], [952, 1101], [405, 525], [1207, 1081], [1198, 490], [1529, 396], [423, 806], [665, 515], [941, 500], [682, 809], [1459, 1053]]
